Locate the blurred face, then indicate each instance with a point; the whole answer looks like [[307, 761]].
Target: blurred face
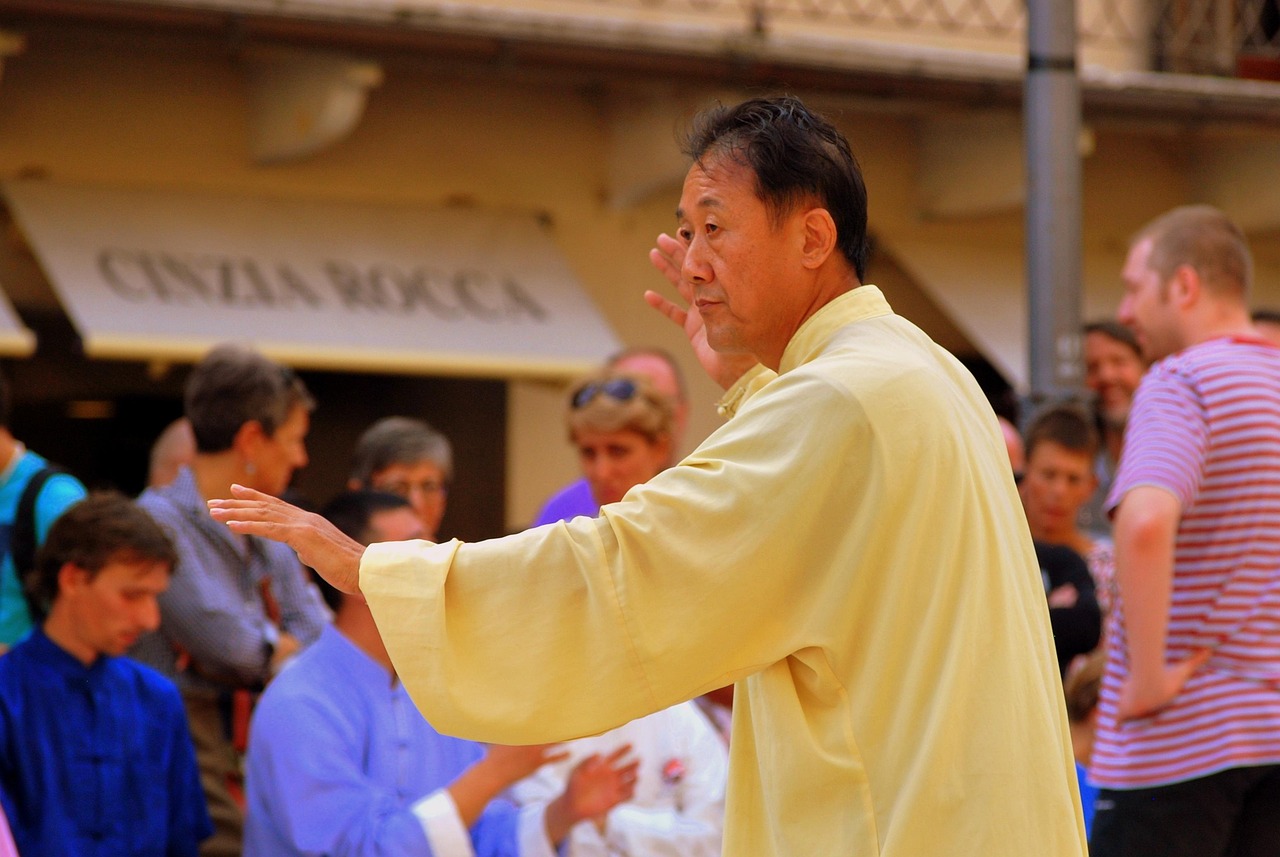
[[395, 525], [738, 263], [109, 612], [422, 483], [284, 451], [614, 462], [1057, 482], [1112, 371], [663, 380], [1147, 308]]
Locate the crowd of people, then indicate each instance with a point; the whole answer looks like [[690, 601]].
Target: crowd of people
[[856, 549], [274, 720]]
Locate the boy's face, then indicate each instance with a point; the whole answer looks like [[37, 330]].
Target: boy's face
[[1057, 482], [111, 609]]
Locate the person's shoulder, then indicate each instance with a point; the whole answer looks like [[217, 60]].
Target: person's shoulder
[[569, 502], [154, 690], [309, 690], [60, 483], [14, 667], [158, 503], [316, 673]]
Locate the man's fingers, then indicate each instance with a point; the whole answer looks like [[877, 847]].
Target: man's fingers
[[244, 492], [666, 307], [668, 258], [551, 757]]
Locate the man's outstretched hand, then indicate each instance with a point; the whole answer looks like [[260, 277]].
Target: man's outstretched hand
[[318, 543], [668, 258]]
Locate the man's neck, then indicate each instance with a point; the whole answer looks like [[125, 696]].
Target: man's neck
[[355, 622], [58, 627], [10, 448], [1219, 319], [1113, 439], [215, 473]]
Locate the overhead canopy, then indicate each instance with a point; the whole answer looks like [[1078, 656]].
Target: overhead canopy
[[15, 339], [149, 274], [980, 286]]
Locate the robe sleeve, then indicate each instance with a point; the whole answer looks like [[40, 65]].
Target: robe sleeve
[[707, 573]]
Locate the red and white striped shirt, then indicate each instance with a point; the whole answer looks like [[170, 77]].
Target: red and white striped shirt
[[1205, 426]]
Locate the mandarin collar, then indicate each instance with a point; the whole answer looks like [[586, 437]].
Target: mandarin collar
[[857, 304], [61, 662]]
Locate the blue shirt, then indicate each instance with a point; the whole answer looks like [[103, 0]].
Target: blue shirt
[[571, 502], [61, 491], [1088, 797], [95, 760], [340, 762]]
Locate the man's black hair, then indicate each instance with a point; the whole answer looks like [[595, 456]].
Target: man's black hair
[[798, 157]]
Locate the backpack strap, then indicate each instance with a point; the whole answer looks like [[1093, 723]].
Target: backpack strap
[[22, 539]]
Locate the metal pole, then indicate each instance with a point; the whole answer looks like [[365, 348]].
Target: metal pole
[[1051, 111]]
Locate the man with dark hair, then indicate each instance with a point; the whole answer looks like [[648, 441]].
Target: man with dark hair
[[95, 757], [409, 458], [664, 373], [1187, 753], [849, 548], [55, 491], [1113, 367], [239, 607], [370, 775]]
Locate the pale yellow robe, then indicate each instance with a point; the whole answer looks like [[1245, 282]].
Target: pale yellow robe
[[849, 548]]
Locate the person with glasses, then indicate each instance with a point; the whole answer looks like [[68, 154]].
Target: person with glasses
[[663, 373], [622, 430], [849, 547], [408, 458]]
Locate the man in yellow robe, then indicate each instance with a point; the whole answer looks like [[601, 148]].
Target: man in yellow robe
[[848, 548]]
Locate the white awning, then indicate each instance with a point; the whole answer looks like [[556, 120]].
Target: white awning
[[155, 274], [16, 340], [981, 288]]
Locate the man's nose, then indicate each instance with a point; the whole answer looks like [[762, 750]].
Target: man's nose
[[1124, 313], [149, 614], [695, 268]]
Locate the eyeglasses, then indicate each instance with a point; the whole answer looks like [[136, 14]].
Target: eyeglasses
[[619, 389]]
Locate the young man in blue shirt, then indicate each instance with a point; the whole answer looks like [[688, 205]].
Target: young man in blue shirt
[[95, 756]]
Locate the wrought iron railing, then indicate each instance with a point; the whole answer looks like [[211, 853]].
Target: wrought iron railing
[[1196, 36]]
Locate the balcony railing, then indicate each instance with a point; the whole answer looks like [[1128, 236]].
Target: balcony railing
[[1226, 37]]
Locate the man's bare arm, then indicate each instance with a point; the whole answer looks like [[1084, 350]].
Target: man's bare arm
[[1146, 525], [317, 542]]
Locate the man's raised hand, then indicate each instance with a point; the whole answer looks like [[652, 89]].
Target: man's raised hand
[[318, 543]]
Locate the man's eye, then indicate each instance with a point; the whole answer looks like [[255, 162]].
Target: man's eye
[[685, 235]]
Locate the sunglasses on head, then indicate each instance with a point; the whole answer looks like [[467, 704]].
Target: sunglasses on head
[[619, 389]]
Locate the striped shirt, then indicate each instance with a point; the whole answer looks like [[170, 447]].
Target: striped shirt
[[1205, 426]]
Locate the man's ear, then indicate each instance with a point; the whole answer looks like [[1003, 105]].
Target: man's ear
[[1185, 287], [248, 438], [819, 231], [72, 579]]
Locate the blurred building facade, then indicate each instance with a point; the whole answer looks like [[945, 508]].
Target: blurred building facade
[[565, 115]]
